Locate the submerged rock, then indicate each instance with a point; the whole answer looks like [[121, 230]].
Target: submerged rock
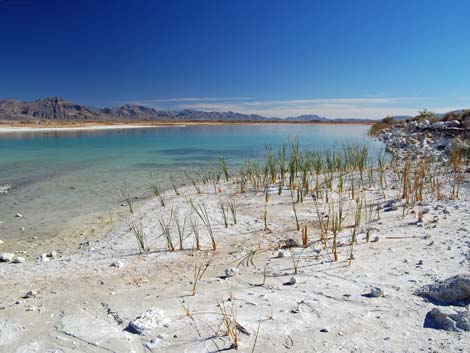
[[452, 291], [447, 319]]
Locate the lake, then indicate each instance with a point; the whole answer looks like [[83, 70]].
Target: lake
[[58, 176]]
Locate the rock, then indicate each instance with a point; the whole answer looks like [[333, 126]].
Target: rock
[[19, 260], [1, 241], [148, 322], [231, 272], [117, 264], [43, 258], [22, 229], [30, 294], [452, 291], [292, 243], [291, 282], [52, 254], [375, 292], [6, 257], [447, 319], [282, 253], [19, 215], [324, 330]]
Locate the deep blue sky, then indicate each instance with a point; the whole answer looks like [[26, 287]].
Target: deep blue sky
[[363, 58]]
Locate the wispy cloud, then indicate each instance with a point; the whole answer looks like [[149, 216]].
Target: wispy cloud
[[354, 107]]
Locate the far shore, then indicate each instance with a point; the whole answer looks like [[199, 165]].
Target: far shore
[[21, 126]]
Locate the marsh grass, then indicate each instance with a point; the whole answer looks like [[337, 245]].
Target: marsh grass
[[165, 225], [180, 227], [229, 321], [138, 232], [233, 210], [128, 199], [200, 268], [201, 212], [157, 192]]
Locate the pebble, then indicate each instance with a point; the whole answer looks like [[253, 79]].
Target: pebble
[[375, 292], [291, 282], [117, 264], [231, 272], [30, 294], [292, 243]]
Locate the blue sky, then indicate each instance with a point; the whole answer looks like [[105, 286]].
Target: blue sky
[[361, 58]]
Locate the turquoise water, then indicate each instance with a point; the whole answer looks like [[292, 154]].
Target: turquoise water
[[61, 175]]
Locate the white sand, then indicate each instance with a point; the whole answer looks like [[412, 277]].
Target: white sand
[[79, 128], [83, 304]]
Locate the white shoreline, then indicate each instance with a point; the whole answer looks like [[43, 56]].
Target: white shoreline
[[80, 128]]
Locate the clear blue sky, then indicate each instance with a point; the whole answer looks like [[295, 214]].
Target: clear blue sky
[[361, 58]]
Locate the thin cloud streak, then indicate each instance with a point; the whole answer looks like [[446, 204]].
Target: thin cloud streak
[[355, 107], [374, 108]]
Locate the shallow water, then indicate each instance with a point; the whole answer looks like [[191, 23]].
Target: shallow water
[[58, 176]]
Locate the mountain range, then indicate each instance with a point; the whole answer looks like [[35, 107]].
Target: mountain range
[[59, 109]]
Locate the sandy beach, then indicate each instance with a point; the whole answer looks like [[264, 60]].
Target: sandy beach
[[257, 282]]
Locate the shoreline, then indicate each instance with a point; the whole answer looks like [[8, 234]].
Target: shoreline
[[327, 292], [75, 126]]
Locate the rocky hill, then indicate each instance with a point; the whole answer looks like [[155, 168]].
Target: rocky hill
[[56, 108]]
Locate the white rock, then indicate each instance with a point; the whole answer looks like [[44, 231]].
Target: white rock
[[52, 254], [148, 321], [19, 215], [6, 257], [19, 260], [117, 264]]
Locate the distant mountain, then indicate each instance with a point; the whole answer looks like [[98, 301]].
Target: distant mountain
[[56, 108], [306, 118]]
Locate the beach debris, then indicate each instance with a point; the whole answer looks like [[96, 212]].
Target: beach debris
[[1, 241], [291, 243], [324, 330], [231, 272], [451, 291], [22, 229], [19, 215], [448, 319], [117, 264], [6, 257], [375, 240], [291, 282], [375, 292], [148, 321]]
